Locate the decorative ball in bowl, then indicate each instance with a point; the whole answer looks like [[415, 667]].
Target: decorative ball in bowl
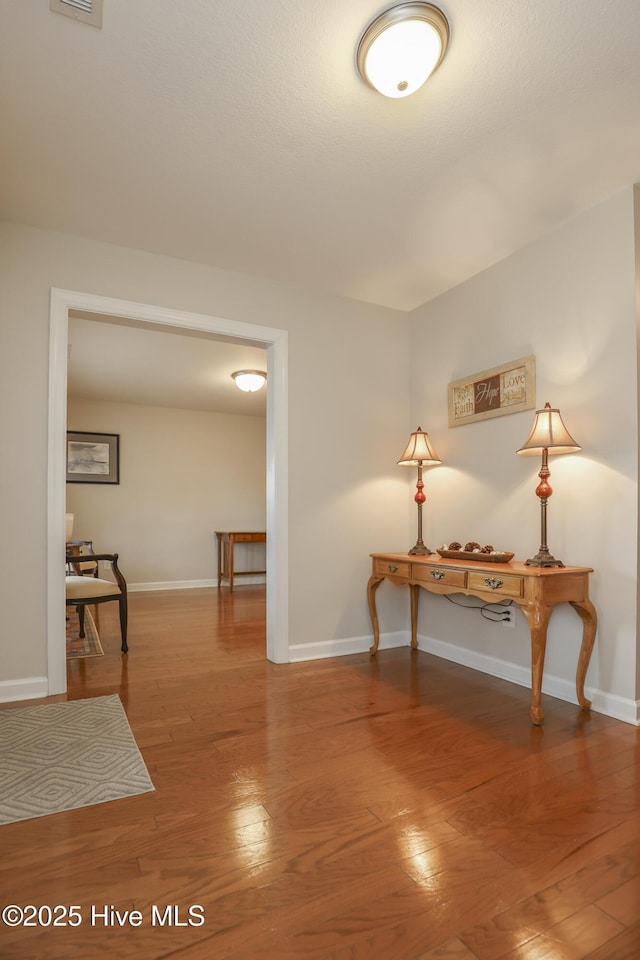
[[472, 550]]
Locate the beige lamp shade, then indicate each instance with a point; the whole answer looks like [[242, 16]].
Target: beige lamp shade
[[549, 433], [418, 451]]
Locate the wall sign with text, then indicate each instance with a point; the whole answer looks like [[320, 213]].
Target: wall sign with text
[[509, 388]]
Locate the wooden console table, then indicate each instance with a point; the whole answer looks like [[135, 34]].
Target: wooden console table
[[226, 542], [536, 590]]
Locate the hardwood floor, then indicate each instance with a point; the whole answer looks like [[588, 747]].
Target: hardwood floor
[[396, 809]]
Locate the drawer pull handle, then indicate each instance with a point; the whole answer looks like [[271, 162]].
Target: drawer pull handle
[[494, 583], [437, 574], [392, 568]]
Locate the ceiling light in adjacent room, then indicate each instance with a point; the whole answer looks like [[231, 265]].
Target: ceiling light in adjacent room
[[402, 47], [249, 380]]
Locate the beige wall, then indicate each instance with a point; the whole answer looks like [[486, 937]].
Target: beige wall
[[183, 475], [360, 378], [348, 412], [569, 299]]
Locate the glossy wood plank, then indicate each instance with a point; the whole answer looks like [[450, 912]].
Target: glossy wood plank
[[401, 808]]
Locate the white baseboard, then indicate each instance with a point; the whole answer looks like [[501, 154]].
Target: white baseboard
[[617, 707], [620, 708], [344, 648], [190, 584], [609, 704], [28, 688]]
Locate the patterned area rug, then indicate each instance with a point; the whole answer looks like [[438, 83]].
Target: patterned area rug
[[90, 646], [60, 756]]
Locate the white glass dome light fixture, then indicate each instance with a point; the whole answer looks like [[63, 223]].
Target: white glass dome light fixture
[[402, 47], [249, 380]]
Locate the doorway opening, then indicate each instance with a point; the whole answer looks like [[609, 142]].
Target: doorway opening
[[150, 317]]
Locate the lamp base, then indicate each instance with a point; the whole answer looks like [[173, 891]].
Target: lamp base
[[419, 550], [543, 559]]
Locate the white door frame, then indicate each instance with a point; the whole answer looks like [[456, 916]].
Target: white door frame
[[275, 341]]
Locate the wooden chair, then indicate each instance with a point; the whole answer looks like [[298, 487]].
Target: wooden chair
[[85, 591], [83, 568]]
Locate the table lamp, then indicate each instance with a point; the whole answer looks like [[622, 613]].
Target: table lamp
[[548, 436], [418, 452]]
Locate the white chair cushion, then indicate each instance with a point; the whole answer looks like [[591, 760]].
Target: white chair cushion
[[78, 588]]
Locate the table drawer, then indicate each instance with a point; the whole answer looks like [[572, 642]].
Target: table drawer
[[391, 568], [503, 585], [444, 575]]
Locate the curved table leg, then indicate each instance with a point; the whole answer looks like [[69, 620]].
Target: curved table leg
[[372, 586], [415, 595], [587, 613], [537, 615]]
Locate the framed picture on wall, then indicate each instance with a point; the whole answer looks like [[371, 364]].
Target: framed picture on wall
[[93, 457]]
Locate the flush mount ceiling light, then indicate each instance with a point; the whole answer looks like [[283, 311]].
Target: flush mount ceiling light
[[249, 380], [402, 47]]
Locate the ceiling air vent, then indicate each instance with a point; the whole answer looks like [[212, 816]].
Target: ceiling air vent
[[88, 11]]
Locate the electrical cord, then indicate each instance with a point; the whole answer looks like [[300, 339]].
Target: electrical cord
[[487, 610]]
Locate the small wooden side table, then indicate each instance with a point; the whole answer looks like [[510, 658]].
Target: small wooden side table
[[226, 543]]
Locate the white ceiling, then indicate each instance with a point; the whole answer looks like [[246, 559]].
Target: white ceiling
[[129, 363], [238, 133]]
